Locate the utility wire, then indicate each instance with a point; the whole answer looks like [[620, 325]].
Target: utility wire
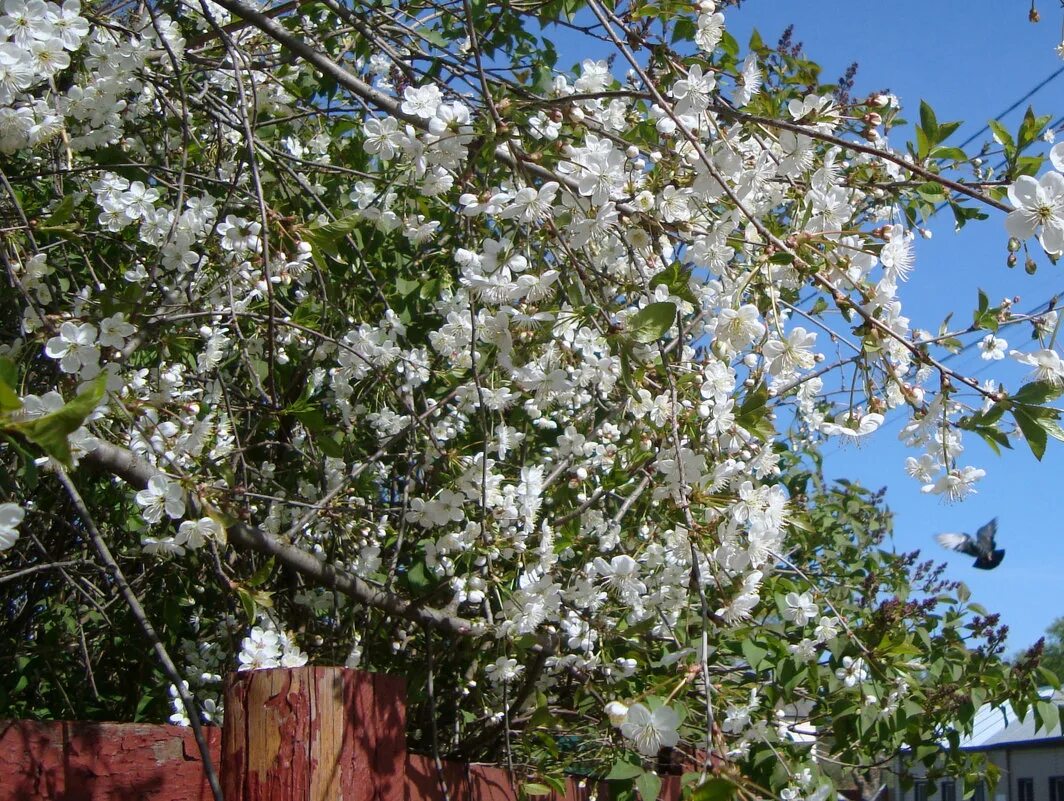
[[1041, 85], [896, 413], [1031, 93]]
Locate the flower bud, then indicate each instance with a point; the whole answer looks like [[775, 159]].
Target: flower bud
[[1014, 244], [617, 712], [1030, 266]]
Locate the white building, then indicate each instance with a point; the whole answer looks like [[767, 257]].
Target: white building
[[1031, 762]]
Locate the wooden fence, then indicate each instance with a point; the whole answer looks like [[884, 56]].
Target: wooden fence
[[302, 734]]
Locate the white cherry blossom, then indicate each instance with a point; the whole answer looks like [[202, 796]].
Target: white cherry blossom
[[162, 496], [1038, 208], [11, 514], [651, 731]]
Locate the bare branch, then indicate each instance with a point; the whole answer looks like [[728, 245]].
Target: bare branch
[[137, 472]]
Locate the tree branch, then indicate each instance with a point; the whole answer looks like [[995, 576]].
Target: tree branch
[[136, 472], [137, 610]]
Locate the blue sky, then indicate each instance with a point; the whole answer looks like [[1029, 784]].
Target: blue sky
[[970, 61]]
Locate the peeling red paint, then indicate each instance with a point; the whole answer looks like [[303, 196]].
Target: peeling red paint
[[303, 734], [100, 762]]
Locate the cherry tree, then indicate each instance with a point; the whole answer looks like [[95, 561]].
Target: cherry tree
[[374, 334]]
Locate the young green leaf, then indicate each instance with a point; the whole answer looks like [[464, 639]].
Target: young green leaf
[[677, 279], [718, 789], [1037, 392], [1003, 137], [1032, 431], [50, 432], [649, 786], [928, 122], [623, 769], [650, 323]]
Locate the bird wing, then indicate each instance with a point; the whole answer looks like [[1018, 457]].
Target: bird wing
[[984, 537], [958, 542]]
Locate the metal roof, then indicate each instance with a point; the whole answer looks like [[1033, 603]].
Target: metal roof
[[995, 727]]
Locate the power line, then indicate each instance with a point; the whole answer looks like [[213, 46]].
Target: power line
[[1041, 85], [894, 414]]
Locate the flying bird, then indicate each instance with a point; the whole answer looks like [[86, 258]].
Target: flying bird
[[981, 546]]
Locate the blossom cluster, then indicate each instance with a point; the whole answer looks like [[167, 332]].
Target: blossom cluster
[[545, 360]]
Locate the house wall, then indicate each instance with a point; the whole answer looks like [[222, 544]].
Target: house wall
[[999, 793], [1035, 763]]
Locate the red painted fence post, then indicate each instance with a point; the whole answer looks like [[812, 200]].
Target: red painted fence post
[[314, 734]]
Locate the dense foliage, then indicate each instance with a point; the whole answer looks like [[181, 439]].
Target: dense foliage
[[370, 333]]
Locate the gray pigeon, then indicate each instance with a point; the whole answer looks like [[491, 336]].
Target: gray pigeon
[[981, 546]]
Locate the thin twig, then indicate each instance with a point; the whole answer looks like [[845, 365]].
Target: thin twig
[[137, 610]]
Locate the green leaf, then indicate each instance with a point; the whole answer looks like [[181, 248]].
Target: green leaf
[[926, 750], [1032, 431], [989, 417], [676, 278], [247, 600], [949, 153], [144, 702], [756, 402], [433, 36], [1049, 715], [928, 122], [312, 418], [9, 399], [259, 576], [1031, 128], [50, 432], [932, 191], [63, 212], [416, 576], [683, 30], [534, 788], [1003, 137], [407, 286], [946, 129], [622, 770], [1027, 165], [329, 446], [994, 438], [986, 317], [1049, 677], [715, 790], [8, 372], [1052, 428], [650, 323], [754, 653], [1037, 393], [327, 236], [923, 146], [649, 786]]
